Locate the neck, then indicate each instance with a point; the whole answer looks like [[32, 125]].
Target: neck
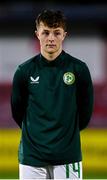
[[51, 56]]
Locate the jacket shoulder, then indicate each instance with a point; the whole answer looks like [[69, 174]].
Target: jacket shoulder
[[24, 69], [74, 60], [29, 62]]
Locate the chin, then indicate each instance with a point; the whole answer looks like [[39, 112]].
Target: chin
[[51, 51]]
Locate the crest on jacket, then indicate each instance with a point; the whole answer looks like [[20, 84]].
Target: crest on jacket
[[69, 78]]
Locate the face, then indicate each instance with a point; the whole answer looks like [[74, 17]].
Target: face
[[50, 38]]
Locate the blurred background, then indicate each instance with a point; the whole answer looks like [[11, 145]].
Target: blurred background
[[86, 40]]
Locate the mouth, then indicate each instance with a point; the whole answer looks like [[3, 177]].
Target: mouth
[[51, 45]]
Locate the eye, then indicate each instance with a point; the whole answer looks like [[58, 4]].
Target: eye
[[57, 33], [45, 33]]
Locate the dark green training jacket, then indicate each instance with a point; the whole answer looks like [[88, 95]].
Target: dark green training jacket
[[51, 102]]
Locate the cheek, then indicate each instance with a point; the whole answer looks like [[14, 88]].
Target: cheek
[[59, 41], [42, 41]]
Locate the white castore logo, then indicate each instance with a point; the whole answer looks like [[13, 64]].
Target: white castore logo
[[36, 80]]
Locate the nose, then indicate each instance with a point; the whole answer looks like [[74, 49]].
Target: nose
[[51, 37]]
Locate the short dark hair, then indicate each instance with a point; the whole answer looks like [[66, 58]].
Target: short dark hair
[[51, 18]]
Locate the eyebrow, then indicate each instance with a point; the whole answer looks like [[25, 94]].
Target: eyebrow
[[45, 30], [56, 30]]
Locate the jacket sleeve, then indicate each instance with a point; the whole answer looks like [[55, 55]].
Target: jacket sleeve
[[84, 96], [18, 97]]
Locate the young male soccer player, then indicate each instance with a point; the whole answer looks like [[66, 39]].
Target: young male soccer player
[[52, 101]]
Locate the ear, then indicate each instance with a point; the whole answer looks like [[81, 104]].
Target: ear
[[64, 35], [37, 34]]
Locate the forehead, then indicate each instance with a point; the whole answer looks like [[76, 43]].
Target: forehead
[[44, 27]]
